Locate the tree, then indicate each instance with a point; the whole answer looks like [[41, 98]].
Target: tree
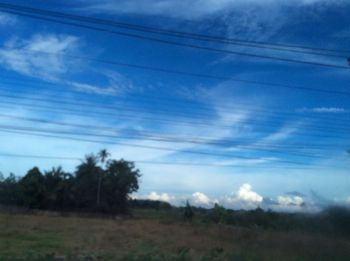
[[218, 214], [58, 187], [86, 178], [103, 155], [120, 181], [32, 189], [188, 213], [9, 190], [58, 190]]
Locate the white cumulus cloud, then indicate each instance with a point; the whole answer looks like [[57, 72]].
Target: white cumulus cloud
[[244, 198], [245, 193], [160, 197], [290, 200], [200, 199]]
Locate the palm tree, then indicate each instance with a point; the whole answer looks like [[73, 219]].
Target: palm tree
[[103, 155]]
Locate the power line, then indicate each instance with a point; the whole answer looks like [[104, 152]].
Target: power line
[[202, 140], [148, 119], [156, 137], [56, 134], [244, 106], [193, 46], [66, 111], [111, 110], [185, 119], [184, 73], [200, 110], [208, 141], [237, 145], [176, 163], [185, 35]]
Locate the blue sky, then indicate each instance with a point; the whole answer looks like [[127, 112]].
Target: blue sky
[[281, 148]]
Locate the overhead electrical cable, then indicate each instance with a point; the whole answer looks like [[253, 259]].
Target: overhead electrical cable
[[232, 141], [119, 133], [167, 122], [185, 73], [174, 33], [195, 109], [184, 119], [188, 45], [77, 137], [31, 156]]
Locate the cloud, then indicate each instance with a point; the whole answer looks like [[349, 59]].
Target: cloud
[[347, 201], [94, 89], [116, 85], [246, 194], [32, 57], [343, 34], [244, 162], [156, 197], [237, 19], [197, 199], [179, 9], [282, 134], [323, 110], [244, 198], [200, 199], [6, 19], [286, 201], [162, 197], [25, 57]]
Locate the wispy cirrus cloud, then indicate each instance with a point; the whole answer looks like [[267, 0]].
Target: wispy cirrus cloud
[[94, 89], [245, 162], [323, 110], [43, 56], [117, 84], [30, 57], [6, 19], [282, 134], [179, 9]]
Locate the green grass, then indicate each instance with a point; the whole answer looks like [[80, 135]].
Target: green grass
[[153, 236]]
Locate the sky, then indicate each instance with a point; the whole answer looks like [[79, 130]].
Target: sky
[[280, 143]]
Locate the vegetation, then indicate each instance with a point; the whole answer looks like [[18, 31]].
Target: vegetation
[[156, 235], [332, 221], [98, 184]]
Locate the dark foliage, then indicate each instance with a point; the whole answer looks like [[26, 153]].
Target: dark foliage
[[150, 204], [96, 185], [331, 221], [188, 212]]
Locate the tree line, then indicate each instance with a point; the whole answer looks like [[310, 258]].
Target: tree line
[[98, 184]]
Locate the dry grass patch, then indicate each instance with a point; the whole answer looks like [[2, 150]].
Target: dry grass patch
[[22, 235]]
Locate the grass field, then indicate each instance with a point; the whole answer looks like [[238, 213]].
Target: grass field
[[148, 237]]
